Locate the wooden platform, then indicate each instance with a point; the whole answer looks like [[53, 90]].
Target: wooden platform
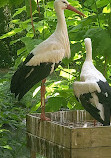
[[66, 136]]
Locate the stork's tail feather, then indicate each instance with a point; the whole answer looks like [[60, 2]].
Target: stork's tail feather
[[19, 80]]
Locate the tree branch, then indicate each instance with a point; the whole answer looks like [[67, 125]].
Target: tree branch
[[38, 7], [32, 17]]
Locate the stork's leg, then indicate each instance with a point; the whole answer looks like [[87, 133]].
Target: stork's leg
[[94, 122], [43, 118]]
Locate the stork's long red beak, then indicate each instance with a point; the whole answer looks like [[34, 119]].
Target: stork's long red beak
[[69, 7]]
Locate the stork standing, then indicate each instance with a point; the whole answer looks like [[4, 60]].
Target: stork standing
[[44, 58], [93, 90]]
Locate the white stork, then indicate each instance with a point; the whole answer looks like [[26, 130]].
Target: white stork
[[44, 58], [93, 90]]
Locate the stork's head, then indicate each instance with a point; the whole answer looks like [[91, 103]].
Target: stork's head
[[63, 4]]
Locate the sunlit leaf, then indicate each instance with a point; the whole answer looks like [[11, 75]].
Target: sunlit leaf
[[69, 105], [77, 56], [19, 10], [34, 108], [107, 9], [67, 73], [30, 34], [11, 33], [16, 21], [21, 50], [7, 147], [15, 41], [3, 130]]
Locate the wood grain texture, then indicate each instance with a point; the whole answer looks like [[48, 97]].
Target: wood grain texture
[[99, 152], [91, 137], [47, 148]]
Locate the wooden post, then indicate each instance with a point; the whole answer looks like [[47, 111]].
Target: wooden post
[[32, 154]]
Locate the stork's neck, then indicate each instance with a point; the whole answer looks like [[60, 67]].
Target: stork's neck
[[88, 51], [89, 55], [61, 23], [61, 31]]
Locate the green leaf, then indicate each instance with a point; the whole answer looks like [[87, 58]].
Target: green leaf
[[11, 33], [101, 41], [21, 50], [77, 56], [34, 108], [75, 48], [66, 73], [102, 3], [16, 21], [50, 5], [77, 36], [19, 10], [15, 2], [15, 41], [107, 9], [3, 3], [41, 25], [3, 130], [69, 105], [75, 3], [30, 43], [84, 22], [7, 147], [55, 103], [88, 3], [30, 34]]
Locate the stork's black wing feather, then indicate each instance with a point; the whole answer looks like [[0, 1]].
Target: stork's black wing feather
[[27, 76], [85, 101], [105, 99], [105, 94]]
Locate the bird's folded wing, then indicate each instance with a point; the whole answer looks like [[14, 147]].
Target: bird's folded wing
[[54, 56], [85, 87], [94, 111]]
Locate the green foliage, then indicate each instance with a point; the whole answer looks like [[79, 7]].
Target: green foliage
[[56, 103], [12, 122], [30, 43], [10, 2], [34, 6], [19, 11], [3, 3], [11, 33]]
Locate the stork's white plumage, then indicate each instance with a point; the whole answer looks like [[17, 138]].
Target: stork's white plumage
[[93, 90], [44, 58]]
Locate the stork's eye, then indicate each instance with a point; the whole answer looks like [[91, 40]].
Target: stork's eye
[[64, 2]]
